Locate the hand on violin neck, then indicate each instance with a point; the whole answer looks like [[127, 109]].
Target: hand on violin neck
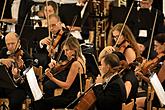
[[52, 64], [48, 73], [15, 72]]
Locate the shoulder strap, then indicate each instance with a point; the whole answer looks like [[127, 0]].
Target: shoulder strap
[[82, 66]]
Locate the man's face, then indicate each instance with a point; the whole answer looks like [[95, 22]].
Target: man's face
[[55, 25], [145, 4], [11, 42]]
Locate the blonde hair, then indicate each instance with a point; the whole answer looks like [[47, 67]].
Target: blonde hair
[[73, 44]]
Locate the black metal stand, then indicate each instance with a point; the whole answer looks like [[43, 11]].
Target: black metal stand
[[3, 106]]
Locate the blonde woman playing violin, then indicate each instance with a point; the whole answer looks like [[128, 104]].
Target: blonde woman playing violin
[[71, 85]]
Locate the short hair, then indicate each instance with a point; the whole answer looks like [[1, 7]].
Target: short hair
[[56, 16], [160, 38], [12, 34], [151, 1], [112, 60]]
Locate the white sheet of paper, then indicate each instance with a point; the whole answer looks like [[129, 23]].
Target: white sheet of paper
[[32, 81], [76, 34], [142, 33], [158, 88]]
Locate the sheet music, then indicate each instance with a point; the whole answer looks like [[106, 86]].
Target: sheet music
[[32, 81], [158, 88]]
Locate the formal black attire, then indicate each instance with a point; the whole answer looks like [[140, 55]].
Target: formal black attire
[[145, 21], [63, 100], [41, 54], [129, 75], [112, 96], [15, 91]]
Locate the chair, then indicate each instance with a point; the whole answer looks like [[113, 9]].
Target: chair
[[155, 108], [128, 106], [4, 102], [150, 96], [38, 72]]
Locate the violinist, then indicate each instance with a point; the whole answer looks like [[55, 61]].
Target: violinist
[[128, 76], [71, 85], [144, 25], [109, 90], [59, 34], [126, 43], [18, 93], [156, 65]]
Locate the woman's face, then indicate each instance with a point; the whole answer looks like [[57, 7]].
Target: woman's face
[[158, 47], [68, 52], [103, 67], [48, 11], [115, 35]]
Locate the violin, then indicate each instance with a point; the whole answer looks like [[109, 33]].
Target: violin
[[54, 43], [151, 64], [62, 66], [17, 56]]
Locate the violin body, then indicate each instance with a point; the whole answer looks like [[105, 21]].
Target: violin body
[[17, 56], [151, 64], [62, 66], [86, 102], [54, 43]]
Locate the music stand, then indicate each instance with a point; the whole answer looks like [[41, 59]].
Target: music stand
[[6, 80], [158, 88], [91, 65], [4, 106]]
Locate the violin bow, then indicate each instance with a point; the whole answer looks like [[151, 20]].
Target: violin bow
[[152, 35], [4, 6], [74, 21], [124, 24], [49, 33]]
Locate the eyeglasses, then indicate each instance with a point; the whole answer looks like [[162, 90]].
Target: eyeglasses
[[54, 25], [115, 37]]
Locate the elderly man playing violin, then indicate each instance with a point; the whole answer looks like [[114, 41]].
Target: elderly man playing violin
[[12, 62], [157, 65]]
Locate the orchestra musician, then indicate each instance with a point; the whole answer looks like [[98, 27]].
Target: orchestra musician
[[145, 18], [156, 65], [59, 33], [109, 90], [52, 8], [129, 78], [8, 59], [126, 43], [71, 86]]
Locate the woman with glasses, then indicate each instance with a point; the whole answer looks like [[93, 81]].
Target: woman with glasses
[[125, 43]]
